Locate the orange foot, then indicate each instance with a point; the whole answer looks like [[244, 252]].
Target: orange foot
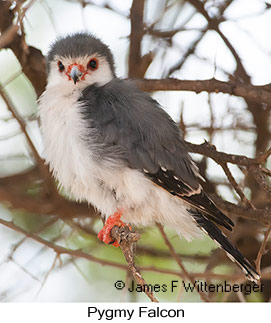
[[113, 220]]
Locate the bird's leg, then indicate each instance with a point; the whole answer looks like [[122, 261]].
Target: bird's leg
[[113, 220]]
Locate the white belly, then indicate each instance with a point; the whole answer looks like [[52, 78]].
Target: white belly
[[105, 185]]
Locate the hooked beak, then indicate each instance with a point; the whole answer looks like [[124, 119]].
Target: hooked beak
[[75, 74]]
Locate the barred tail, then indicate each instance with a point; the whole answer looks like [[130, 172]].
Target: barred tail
[[232, 252]]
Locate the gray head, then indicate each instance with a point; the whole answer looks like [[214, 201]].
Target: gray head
[[80, 58]]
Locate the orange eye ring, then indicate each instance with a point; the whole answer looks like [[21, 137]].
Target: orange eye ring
[[93, 64]]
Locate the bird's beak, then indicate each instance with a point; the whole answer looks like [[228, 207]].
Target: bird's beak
[[75, 74]]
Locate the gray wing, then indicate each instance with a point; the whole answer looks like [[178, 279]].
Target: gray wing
[[134, 128]]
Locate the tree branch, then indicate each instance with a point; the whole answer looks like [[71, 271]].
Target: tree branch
[[246, 91], [126, 240], [266, 273], [30, 58], [137, 32]]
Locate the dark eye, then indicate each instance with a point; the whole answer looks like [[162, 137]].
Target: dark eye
[[61, 67], [93, 64]]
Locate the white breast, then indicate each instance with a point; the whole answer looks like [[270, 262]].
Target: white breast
[[106, 185], [71, 162]]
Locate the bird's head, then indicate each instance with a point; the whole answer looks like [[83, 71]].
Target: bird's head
[[79, 60]]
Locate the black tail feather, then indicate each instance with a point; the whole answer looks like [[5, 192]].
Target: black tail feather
[[232, 252], [205, 206]]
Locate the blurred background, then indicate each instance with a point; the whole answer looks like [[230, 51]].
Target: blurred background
[[228, 40]]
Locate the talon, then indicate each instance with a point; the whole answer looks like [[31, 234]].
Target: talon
[[113, 220], [115, 244]]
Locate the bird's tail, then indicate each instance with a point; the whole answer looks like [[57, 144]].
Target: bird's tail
[[232, 252]]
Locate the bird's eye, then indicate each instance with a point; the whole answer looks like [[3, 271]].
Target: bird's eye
[[61, 67], [93, 64]]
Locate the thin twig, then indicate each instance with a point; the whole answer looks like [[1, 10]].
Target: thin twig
[[213, 24], [236, 186], [47, 274], [179, 262], [262, 250]]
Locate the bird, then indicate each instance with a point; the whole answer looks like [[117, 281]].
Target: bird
[[112, 145]]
